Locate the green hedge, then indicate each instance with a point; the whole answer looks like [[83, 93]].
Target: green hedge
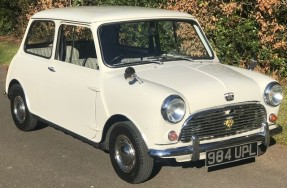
[[12, 13], [9, 11], [237, 36]]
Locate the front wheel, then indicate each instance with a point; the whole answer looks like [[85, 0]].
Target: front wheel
[[21, 115], [129, 154]]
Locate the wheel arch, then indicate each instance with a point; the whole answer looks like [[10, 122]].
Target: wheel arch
[[129, 154], [13, 82], [110, 125], [23, 119]]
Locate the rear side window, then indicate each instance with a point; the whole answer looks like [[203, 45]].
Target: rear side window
[[40, 38]]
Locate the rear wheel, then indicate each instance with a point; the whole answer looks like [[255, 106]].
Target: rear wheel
[[21, 115], [129, 154]]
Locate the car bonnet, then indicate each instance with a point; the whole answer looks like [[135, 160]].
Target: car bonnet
[[204, 85]]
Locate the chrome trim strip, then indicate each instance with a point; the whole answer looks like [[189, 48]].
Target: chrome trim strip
[[266, 134], [197, 148]]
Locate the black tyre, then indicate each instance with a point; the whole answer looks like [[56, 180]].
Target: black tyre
[[129, 154], [21, 115]]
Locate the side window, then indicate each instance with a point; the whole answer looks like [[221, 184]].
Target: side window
[[40, 38], [76, 46]]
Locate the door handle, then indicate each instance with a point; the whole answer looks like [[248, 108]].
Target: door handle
[[93, 88], [51, 69]]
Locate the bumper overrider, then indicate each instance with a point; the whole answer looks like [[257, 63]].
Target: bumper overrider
[[196, 148]]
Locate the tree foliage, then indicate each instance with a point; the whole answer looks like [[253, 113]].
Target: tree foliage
[[7, 25], [239, 30], [15, 14]]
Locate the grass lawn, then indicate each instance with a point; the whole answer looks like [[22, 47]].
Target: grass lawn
[[282, 138], [9, 47], [7, 50]]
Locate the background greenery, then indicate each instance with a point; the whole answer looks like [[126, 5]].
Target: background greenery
[[282, 138], [7, 51], [239, 30]]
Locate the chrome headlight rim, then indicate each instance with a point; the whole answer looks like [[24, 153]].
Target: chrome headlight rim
[[268, 90], [165, 106]]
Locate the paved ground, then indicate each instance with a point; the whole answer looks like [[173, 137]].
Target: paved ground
[[49, 158]]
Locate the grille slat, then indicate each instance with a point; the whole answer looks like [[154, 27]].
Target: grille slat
[[211, 123]]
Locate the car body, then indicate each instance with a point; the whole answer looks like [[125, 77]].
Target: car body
[[141, 83]]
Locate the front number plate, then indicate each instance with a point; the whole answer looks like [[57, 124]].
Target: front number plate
[[234, 153]]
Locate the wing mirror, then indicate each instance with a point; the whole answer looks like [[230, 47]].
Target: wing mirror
[[252, 64], [130, 74]]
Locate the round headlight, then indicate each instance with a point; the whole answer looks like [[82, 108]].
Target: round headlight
[[273, 94], [173, 109]]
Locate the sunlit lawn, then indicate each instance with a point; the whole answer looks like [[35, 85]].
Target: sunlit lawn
[[7, 51], [282, 138]]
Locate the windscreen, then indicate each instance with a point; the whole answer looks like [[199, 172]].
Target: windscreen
[[139, 42]]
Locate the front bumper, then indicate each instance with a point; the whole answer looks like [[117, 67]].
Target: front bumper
[[196, 148]]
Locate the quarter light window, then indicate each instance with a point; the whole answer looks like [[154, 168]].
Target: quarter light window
[[40, 38]]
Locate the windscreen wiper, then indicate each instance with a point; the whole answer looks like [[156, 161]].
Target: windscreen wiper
[[138, 62], [170, 57]]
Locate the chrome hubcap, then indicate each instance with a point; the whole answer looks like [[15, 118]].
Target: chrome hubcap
[[125, 153], [19, 109]]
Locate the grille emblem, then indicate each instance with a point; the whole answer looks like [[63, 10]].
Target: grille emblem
[[229, 96], [229, 122], [227, 112]]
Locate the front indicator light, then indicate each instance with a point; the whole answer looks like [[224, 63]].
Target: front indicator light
[[172, 136], [272, 118]]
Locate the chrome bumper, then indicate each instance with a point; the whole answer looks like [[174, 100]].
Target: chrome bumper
[[196, 148]]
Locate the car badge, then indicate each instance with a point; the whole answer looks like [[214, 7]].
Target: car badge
[[229, 96], [227, 112], [229, 122]]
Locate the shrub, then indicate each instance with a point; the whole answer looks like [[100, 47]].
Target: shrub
[[238, 30], [8, 9], [243, 30]]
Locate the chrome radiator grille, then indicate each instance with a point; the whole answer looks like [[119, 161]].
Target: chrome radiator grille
[[223, 121]]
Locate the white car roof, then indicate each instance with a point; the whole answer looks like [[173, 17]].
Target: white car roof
[[92, 14]]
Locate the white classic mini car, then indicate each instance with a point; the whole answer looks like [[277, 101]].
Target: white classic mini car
[[142, 84]]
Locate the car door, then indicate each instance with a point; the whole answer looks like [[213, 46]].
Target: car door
[[34, 59], [74, 81]]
